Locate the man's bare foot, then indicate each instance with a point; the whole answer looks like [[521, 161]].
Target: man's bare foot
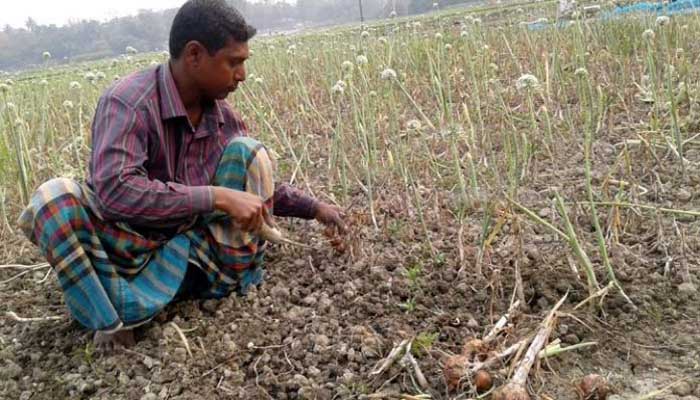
[[107, 342]]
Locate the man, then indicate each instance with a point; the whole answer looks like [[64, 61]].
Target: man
[[176, 190]]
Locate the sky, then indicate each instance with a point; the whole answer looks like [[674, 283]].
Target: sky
[[60, 12]]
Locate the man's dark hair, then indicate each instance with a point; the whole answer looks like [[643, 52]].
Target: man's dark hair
[[211, 22]]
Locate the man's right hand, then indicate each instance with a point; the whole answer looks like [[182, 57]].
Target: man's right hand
[[245, 208]]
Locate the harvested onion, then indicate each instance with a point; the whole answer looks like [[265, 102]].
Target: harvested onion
[[482, 381], [593, 387]]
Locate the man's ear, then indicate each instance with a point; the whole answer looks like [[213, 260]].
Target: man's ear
[[194, 52]]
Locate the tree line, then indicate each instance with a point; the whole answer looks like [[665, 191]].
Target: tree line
[[23, 47]]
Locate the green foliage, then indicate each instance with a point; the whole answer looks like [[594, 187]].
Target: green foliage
[[423, 343]]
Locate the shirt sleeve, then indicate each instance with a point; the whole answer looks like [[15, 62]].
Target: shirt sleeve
[[292, 202], [119, 178]]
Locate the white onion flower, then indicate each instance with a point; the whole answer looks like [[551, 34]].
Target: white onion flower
[[438, 36], [648, 35], [414, 125], [388, 74], [46, 56], [364, 34], [362, 60], [68, 105], [581, 72], [382, 40], [338, 88], [4, 88], [527, 82], [131, 50], [259, 81], [464, 34], [392, 14], [662, 20], [75, 85]]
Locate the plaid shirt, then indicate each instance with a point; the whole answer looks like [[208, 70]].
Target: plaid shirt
[[151, 168]]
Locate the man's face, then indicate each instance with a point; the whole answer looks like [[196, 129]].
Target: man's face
[[219, 74]]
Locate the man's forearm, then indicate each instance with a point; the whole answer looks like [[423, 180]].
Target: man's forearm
[[140, 201], [292, 202]]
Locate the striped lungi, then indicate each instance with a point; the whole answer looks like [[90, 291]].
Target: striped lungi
[[114, 277]]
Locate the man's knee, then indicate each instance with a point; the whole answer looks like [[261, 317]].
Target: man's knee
[[244, 143], [244, 159], [55, 188], [49, 192]]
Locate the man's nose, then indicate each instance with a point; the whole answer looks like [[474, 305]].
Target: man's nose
[[240, 74]]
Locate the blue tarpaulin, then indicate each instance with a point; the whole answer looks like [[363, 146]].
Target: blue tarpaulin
[[651, 8], [675, 7]]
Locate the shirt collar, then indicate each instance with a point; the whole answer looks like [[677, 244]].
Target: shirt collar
[[171, 103]]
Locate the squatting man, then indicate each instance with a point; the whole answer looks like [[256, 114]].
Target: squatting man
[[176, 190]]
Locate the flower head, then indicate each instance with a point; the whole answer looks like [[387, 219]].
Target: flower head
[[648, 35], [527, 82], [4, 88], [75, 85], [46, 56], [338, 88], [364, 34], [68, 105], [392, 14], [581, 72], [131, 50], [388, 74], [662, 20], [362, 60], [438, 36], [413, 124]]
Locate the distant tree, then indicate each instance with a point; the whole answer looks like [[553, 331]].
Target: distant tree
[[148, 30]]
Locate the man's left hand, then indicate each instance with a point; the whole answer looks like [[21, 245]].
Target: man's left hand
[[331, 216]]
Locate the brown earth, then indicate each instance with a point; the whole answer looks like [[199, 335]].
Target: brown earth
[[322, 321]]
